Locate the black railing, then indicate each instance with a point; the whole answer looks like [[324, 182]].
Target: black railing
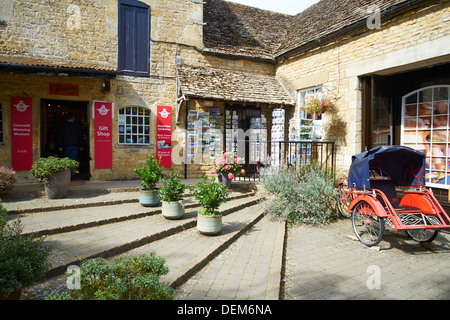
[[286, 154]]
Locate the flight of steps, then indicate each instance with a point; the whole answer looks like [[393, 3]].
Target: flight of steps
[[115, 224]]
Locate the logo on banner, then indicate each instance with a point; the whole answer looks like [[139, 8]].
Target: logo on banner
[[103, 110], [21, 106], [164, 114]]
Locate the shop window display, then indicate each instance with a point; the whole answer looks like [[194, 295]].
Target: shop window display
[[425, 127]]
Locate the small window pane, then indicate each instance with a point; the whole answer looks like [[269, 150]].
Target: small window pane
[[132, 129]]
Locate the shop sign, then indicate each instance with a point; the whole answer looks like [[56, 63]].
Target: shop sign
[[103, 134], [164, 135], [21, 133], [63, 89]]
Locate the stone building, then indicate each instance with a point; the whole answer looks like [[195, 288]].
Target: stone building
[[216, 62]]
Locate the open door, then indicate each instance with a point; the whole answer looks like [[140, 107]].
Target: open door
[[53, 115]]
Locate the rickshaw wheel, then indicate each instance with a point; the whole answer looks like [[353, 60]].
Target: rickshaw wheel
[[422, 235], [343, 200], [368, 227]]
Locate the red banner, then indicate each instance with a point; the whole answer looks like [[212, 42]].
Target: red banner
[[103, 134], [164, 135], [21, 133]]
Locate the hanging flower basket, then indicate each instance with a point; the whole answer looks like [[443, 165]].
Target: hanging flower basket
[[319, 105]]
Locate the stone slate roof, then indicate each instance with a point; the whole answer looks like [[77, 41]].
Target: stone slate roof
[[221, 84], [242, 30]]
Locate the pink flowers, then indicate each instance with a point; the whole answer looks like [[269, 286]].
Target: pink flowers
[[7, 178], [229, 164]]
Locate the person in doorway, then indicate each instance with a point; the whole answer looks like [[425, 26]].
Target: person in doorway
[[70, 138]]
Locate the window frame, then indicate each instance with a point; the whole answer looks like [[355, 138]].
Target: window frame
[[124, 125], [413, 135], [301, 94], [122, 40]]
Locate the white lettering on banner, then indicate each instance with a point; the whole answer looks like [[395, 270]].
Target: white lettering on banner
[[103, 134]]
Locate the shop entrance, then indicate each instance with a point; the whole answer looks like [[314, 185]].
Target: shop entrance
[[245, 118], [53, 114]]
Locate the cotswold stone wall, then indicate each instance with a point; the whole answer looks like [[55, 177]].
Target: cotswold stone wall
[[411, 41], [84, 32]]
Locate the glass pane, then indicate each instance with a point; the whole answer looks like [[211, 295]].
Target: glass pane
[[412, 99], [441, 93], [440, 107], [426, 95], [425, 109]]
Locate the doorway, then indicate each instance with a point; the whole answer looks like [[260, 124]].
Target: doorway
[[53, 115]]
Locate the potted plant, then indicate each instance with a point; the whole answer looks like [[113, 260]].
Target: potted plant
[[171, 194], [7, 179], [150, 173], [23, 258], [318, 105], [211, 196], [227, 166], [55, 174]]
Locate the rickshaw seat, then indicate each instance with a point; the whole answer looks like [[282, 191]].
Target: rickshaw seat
[[388, 188]]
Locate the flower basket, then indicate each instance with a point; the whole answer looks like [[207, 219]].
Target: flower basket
[[319, 105]]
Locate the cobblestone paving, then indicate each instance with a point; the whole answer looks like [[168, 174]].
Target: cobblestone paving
[[327, 263]]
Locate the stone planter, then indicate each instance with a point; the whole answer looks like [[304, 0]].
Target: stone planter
[[58, 185], [222, 178], [209, 225], [148, 198], [173, 210]]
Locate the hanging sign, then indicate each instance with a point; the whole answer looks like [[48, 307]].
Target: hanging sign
[[21, 133], [164, 135], [103, 134]]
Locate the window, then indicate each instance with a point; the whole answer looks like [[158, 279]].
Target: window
[[134, 126], [315, 92], [425, 120], [134, 38], [1, 124]]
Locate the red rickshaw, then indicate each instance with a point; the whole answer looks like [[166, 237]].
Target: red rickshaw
[[385, 188]]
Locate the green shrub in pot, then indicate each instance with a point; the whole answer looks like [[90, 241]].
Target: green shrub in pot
[[150, 173], [171, 195]]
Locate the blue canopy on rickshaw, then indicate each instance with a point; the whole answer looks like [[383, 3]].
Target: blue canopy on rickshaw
[[405, 165]]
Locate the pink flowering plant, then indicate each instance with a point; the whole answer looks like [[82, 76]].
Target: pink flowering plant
[[228, 163], [7, 178], [319, 105]]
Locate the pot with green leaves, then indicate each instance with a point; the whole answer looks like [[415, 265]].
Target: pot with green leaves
[[55, 174], [210, 195], [150, 173], [171, 195]]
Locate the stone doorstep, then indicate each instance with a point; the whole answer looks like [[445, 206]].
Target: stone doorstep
[[82, 224], [189, 223]]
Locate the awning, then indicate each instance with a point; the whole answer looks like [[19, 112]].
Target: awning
[[233, 86], [14, 64]]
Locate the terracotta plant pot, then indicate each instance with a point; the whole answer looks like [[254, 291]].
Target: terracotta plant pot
[[58, 185]]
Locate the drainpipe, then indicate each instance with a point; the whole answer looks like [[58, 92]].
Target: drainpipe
[[186, 137]]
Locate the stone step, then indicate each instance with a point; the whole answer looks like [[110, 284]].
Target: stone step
[[116, 238], [80, 216]]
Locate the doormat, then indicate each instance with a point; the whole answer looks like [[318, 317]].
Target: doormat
[[77, 183]]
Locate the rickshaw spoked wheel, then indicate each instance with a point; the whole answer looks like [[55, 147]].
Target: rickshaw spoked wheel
[[368, 227], [422, 235], [344, 198]]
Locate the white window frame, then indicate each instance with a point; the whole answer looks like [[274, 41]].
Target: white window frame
[[420, 130], [316, 92], [134, 127]]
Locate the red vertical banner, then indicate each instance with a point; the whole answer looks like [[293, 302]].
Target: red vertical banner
[[21, 133], [164, 135], [103, 134]]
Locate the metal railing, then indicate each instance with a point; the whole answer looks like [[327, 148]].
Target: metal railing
[[286, 154]]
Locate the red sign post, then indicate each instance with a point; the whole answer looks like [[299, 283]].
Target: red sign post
[[103, 134], [21, 133], [164, 135]]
